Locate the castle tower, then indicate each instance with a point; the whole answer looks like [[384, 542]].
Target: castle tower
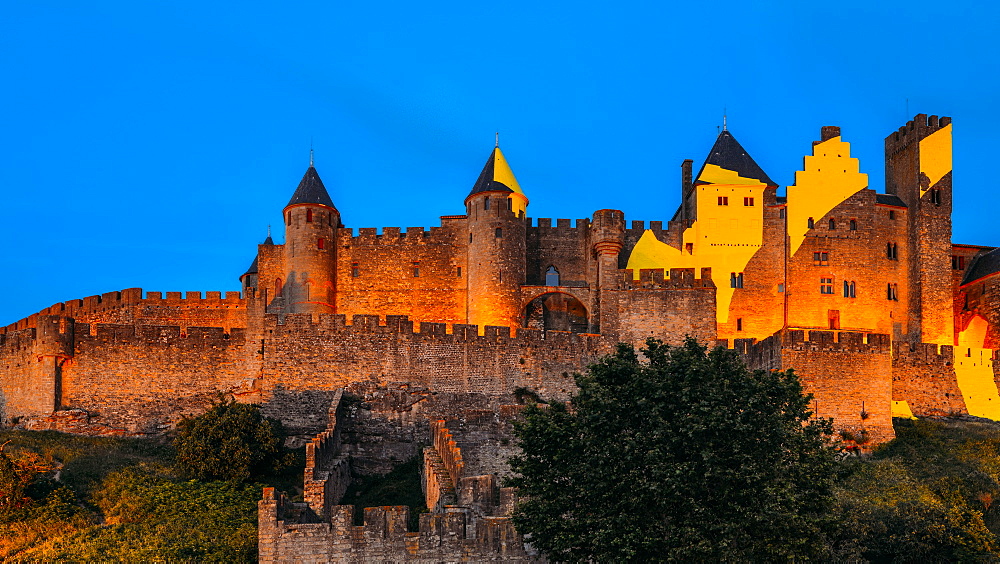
[[918, 171], [496, 249], [311, 222], [607, 235], [248, 280]]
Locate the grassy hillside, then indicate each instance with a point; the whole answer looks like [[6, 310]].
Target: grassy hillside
[[120, 499]]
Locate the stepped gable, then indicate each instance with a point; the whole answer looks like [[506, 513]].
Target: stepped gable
[[983, 265], [311, 191], [496, 176], [728, 154]]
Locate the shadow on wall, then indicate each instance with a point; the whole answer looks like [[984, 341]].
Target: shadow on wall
[[302, 412]]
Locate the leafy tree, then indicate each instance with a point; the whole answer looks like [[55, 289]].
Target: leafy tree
[[689, 456], [231, 441]]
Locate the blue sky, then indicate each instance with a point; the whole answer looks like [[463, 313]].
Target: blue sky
[[150, 144]]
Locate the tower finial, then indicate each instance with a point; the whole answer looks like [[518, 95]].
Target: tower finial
[[310, 151], [268, 229], [498, 140], [724, 119]]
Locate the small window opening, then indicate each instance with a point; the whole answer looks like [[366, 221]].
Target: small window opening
[[458, 271], [810, 223], [309, 215], [891, 292], [821, 258], [936, 197], [781, 213], [552, 276], [833, 224], [416, 269], [486, 203], [748, 201], [355, 270], [470, 237], [288, 218], [892, 214], [689, 247], [957, 262], [781, 288], [735, 280], [891, 252], [826, 285], [510, 204], [849, 289], [739, 323], [854, 225], [320, 243], [499, 233], [723, 200]]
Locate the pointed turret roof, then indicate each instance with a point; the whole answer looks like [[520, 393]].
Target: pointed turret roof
[[496, 176], [311, 190], [253, 267], [737, 166]]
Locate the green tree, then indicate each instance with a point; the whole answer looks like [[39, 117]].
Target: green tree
[[231, 441], [17, 474], [689, 456]]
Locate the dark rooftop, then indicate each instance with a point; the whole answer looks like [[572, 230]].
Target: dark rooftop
[[727, 153], [311, 190], [982, 265]]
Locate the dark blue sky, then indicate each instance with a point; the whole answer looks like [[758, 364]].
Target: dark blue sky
[[150, 145]]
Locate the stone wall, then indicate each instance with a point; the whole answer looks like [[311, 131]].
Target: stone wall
[[923, 375]]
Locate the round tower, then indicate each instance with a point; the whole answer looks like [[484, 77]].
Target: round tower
[[311, 222], [607, 235], [496, 223]]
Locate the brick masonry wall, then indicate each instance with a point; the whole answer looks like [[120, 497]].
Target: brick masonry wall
[[923, 376], [384, 538], [848, 374], [385, 280], [667, 306]]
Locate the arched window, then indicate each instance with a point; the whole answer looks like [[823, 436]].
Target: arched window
[[854, 225], [833, 224], [810, 223], [277, 287], [309, 215], [486, 203], [552, 276], [735, 280], [499, 232]]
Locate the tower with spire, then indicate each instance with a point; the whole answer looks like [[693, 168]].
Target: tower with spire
[[495, 208], [308, 284]]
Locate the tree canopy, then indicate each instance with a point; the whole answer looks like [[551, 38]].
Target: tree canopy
[[232, 441], [685, 455]]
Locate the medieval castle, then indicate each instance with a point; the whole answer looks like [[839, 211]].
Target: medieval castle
[[862, 293]]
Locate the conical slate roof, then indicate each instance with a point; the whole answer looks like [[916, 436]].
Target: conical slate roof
[[727, 154], [496, 176], [252, 269], [311, 190]]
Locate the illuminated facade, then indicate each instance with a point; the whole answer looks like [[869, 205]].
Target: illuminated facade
[[863, 293]]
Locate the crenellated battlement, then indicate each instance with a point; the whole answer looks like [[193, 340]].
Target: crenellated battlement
[[305, 324], [543, 226], [638, 227], [130, 298], [105, 333], [370, 236], [916, 129], [666, 279], [384, 536], [925, 353]]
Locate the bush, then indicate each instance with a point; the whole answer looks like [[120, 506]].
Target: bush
[[232, 441]]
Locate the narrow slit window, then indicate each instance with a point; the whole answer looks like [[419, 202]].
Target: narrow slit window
[[936, 197], [892, 214], [309, 215], [739, 323], [355, 270], [499, 233], [458, 271], [486, 203], [810, 223], [510, 204], [891, 251], [320, 243], [735, 280], [833, 224], [416, 269], [854, 225]]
